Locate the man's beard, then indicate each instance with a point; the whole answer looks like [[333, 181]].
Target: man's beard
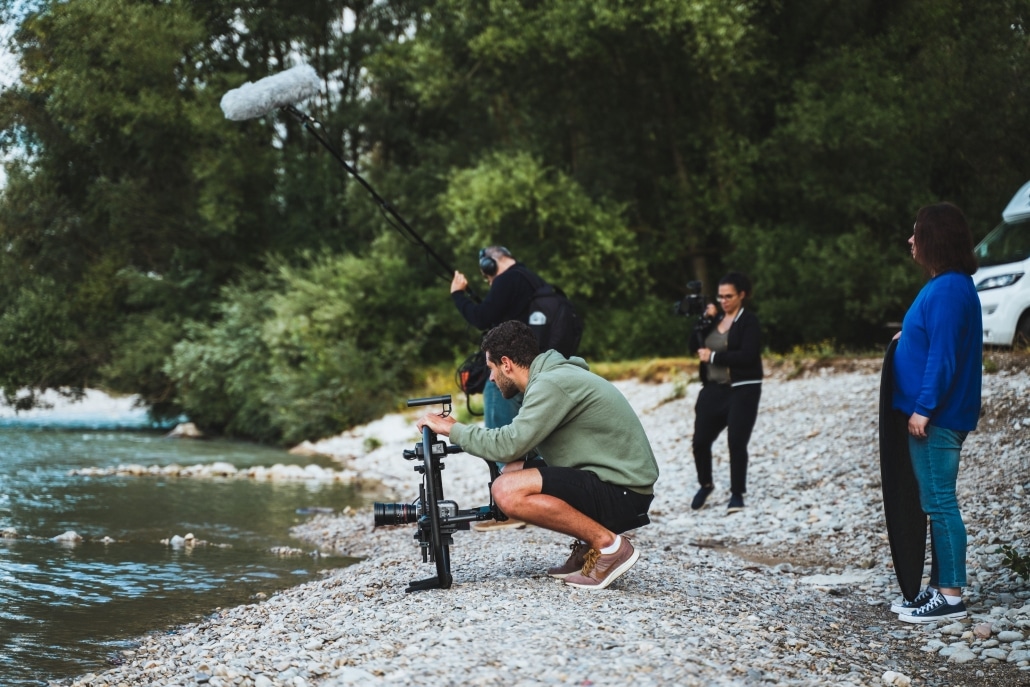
[[506, 386]]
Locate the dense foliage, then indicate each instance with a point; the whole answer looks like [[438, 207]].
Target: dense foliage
[[235, 272]]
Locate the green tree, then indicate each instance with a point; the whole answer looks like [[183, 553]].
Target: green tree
[[222, 369], [880, 110], [582, 245], [642, 104], [619, 147], [135, 198], [304, 352], [107, 201]]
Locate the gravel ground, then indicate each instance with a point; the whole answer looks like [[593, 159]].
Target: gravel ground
[[795, 590]]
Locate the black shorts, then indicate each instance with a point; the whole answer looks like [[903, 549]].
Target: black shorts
[[616, 508]]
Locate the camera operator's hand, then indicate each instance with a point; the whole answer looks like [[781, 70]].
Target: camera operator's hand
[[705, 354], [440, 425], [459, 282], [711, 311]]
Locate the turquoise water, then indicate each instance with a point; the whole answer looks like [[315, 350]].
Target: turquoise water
[[68, 609]]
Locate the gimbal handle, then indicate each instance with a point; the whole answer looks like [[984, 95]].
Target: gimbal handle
[[432, 400]]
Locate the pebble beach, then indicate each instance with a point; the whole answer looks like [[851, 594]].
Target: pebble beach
[[794, 590]]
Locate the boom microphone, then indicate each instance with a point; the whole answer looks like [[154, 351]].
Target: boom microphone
[[270, 93], [281, 91]]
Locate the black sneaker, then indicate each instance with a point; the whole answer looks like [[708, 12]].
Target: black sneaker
[[937, 608], [736, 503], [907, 607], [700, 497]]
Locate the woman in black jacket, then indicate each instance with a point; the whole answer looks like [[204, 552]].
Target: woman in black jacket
[[728, 346]]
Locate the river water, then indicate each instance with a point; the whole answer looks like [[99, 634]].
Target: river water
[[69, 609]]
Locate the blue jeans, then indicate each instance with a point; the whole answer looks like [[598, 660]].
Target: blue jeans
[[498, 411], [935, 464]]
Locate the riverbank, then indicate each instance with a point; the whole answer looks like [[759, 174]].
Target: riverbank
[[795, 590]]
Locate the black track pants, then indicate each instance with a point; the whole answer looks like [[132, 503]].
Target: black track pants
[[734, 408]]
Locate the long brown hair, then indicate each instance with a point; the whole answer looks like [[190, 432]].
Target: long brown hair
[[943, 240]]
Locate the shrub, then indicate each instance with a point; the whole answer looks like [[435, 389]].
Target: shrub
[[1015, 561]]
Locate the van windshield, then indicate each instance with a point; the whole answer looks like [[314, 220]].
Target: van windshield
[[1009, 242]]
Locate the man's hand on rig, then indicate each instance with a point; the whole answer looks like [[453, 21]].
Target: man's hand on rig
[[439, 424]]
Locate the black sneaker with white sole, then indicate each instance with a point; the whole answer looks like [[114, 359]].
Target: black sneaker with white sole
[[937, 608], [907, 607]]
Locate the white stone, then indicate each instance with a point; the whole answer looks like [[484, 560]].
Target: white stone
[[305, 448], [185, 430], [898, 679], [842, 579], [69, 537], [962, 656]]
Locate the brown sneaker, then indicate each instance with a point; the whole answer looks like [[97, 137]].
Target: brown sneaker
[[600, 571], [574, 564], [494, 525]]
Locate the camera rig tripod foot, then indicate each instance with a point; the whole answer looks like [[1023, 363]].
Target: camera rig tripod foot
[[428, 583]]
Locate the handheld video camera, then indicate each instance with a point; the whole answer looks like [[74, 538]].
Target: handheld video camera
[[436, 519], [693, 303]]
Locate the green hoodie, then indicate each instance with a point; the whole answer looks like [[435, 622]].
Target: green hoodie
[[577, 420]]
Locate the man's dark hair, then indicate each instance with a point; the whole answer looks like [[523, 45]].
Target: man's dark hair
[[737, 280], [943, 239], [511, 339]]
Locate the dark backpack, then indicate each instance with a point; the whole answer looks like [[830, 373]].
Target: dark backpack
[[552, 317], [473, 374]]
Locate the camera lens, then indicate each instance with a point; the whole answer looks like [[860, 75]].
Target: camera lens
[[385, 514]]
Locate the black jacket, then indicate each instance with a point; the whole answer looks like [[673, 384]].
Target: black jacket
[[508, 299], [743, 354]]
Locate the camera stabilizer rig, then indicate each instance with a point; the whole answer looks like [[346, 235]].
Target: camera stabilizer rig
[[437, 519]]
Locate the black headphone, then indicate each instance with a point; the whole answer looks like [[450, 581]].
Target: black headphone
[[488, 265]]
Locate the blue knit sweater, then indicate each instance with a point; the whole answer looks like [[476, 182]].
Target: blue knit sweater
[[938, 361]]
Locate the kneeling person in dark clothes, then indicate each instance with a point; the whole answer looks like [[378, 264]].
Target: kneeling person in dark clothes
[[600, 472]]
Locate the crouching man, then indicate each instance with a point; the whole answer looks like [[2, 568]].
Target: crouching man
[[600, 472]]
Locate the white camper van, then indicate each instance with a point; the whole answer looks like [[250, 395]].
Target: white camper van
[[1003, 280]]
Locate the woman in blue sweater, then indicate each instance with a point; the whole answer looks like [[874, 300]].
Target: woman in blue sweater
[[937, 377]]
